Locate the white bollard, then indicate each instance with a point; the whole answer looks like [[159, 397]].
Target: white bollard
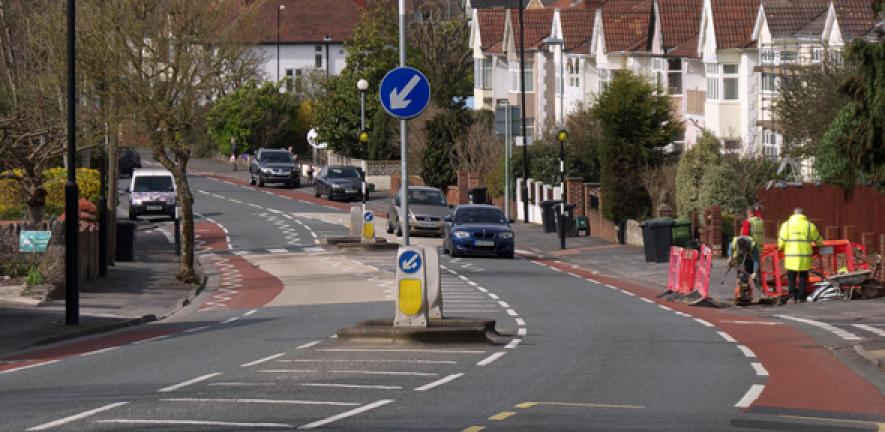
[[356, 221], [434, 288]]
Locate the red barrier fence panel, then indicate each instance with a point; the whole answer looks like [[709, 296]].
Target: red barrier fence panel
[[673, 271], [687, 264], [704, 269]]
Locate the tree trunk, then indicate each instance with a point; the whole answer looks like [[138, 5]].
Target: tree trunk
[[186, 200]]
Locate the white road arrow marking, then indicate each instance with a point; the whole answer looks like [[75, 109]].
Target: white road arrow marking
[[398, 99]]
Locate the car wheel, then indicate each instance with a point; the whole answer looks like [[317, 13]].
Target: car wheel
[[289, 185], [297, 184], [389, 229], [398, 231], [316, 190]]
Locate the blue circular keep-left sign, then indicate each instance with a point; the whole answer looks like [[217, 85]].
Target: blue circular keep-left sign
[[404, 92], [410, 261], [368, 216]]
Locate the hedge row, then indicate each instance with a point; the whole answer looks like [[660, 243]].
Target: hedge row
[[12, 201]]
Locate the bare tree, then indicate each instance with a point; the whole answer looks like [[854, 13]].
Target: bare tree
[[480, 151], [169, 59], [660, 182]]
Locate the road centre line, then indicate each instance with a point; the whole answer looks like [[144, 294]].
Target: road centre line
[[230, 320], [261, 401], [189, 382], [354, 386], [346, 414], [368, 372], [262, 360], [308, 345], [439, 382], [76, 417], [846, 335], [726, 336], [760, 370], [415, 350], [751, 396], [503, 415], [194, 423], [488, 360], [250, 312], [368, 361], [747, 351]]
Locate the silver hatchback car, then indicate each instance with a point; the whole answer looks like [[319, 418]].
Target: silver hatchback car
[[427, 208]]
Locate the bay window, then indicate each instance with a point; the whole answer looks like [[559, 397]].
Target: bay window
[[528, 76], [674, 76]]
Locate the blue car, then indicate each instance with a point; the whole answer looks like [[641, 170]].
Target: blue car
[[478, 230]]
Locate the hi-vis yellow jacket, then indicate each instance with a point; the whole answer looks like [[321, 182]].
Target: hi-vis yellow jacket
[[795, 239]]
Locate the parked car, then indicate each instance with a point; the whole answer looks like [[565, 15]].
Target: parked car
[[343, 182], [151, 192], [478, 229], [427, 208], [274, 166], [128, 160]]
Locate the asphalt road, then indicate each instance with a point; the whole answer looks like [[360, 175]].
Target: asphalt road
[[575, 354]]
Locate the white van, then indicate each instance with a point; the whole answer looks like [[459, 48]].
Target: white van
[[151, 192]]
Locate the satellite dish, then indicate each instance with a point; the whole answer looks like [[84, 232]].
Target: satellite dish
[[312, 140]]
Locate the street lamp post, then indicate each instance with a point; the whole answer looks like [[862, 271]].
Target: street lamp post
[[525, 149], [280, 9], [363, 85], [72, 216], [562, 136]]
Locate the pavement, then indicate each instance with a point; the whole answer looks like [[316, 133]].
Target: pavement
[[132, 293]]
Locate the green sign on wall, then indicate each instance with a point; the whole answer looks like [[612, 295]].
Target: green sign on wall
[[34, 241]]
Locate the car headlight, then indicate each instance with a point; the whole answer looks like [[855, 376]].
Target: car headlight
[[505, 235], [136, 202], [461, 234], [267, 170], [337, 186]]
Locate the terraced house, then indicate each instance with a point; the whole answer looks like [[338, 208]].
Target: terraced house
[[719, 60]]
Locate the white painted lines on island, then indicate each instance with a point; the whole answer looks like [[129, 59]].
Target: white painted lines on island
[[439, 382], [512, 312], [353, 386], [194, 423], [521, 331], [751, 396], [189, 382], [871, 329], [760, 370], [308, 345], [230, 320], [844, 334], [346, 414], [262, 360], [250, 312], [75, 417], [488, 360], [513, 343], [261, 401]]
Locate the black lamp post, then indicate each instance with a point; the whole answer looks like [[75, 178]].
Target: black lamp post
[[525, 143], [364, 141], [72, 214], [280, 9], [562, 136]]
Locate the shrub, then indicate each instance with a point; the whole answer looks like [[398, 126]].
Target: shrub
[[34, 277], [720, 185], [88, 182], [689, 174]]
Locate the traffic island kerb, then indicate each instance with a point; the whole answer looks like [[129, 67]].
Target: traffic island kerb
[[357, 243], [438, 330]]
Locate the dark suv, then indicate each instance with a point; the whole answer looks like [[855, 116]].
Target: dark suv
[[274, 166]]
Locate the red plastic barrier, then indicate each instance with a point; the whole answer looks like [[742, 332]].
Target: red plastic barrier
[[687, 264], [673, 272], [704, 269], [773, 275]]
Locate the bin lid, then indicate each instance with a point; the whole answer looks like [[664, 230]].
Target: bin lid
[[549, 203], [476, 189], [658, 223]]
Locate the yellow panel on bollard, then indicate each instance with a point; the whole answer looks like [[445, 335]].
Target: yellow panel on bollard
[[411, 283], [410, 296], [368, 231]]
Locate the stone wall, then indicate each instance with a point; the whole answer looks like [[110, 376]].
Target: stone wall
[[52, 262]]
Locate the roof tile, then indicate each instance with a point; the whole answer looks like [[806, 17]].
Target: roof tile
[[309, 21], [679, 21], [733, 21], [491, 27], [625, 22]]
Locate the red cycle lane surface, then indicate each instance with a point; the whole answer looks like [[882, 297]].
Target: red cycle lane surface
[[803, 376], [242, 285]]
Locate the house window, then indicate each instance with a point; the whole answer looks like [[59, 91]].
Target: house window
[[482, 72], [658, 68], [674, 76], [816, 54], [770, 144], [732, 144], [574, 72], [528, 76], [318, 56], [712, 72], [730, 81], [604, 76], [299, 81], [290, 79], [767, 56], [769, 83], [788, 56]]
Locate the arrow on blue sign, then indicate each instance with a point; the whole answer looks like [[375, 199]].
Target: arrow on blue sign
[[368, 216], [404, 92], [410, 261]]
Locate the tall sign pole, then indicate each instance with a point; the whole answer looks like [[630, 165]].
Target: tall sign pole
[[525, 141], [403, 133], [72, 217]]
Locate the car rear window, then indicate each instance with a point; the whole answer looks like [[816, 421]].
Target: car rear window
[[480, 215], [153, 184]]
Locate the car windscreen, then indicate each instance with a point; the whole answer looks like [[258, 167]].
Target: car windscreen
[[153, 184], [343, 173], [426, 197], [276, 157], [480, 215]]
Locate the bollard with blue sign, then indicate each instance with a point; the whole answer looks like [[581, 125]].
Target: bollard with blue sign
[[411, 304], [368, 231]]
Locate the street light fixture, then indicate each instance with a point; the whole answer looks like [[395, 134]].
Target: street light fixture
[[280, 9]]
